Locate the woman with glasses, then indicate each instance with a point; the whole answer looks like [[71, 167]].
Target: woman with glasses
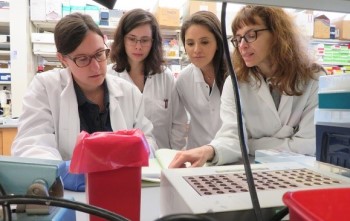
[[199, 84], [60, 103], [278, 84], [137, 56]]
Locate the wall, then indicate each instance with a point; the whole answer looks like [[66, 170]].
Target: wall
[[22, 62]]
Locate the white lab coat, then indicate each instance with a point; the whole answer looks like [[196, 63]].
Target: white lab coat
[[204, 108], [49, 125], [290, 128], [162, 108]]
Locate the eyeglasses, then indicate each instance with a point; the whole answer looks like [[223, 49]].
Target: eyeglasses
[[248, 37], [132, 41], [85, 60]]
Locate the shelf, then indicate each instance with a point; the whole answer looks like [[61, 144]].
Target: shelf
[[335, 64], [329, 41], [5, 82], [46, 54], [173, 58], [4, 27], [6, 53], [50, 27]]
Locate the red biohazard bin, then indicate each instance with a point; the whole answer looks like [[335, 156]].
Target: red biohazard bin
[[318, 204], [112, 163]]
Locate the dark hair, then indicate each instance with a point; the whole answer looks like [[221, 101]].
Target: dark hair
[[127, 23], [209, 20], [294, 68], [71, 30]]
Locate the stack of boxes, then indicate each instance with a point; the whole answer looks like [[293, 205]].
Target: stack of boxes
[[334, 55], [322, 27], [332, 120], [53, 10]]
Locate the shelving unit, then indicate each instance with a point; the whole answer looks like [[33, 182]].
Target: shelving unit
[[24, 61], [167, 34], [4, 51], [333, 54]]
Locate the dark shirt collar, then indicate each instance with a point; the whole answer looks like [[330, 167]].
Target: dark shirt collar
[[81, 98]]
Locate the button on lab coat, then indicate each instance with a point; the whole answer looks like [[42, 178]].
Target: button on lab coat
[[162, 108], [290, 128], [49, 125]]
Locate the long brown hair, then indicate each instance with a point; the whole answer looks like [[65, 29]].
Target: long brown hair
[[130, 20], [209, 20], [294, 67]]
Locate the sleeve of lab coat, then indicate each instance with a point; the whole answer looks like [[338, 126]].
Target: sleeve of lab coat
[[226, 142], [179, 122], [300, 139], [36, 134], [142, 122]]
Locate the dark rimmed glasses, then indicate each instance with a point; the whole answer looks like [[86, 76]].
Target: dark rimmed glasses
[[144, 41], [85, 60], [248, 37]]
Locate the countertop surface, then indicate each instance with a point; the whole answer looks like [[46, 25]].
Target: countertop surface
[[6, 122]]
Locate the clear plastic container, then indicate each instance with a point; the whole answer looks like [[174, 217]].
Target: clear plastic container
[[336, 83]]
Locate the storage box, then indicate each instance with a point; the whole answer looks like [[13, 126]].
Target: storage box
[[344, 28], [334, 92], [44, 48], [47, 37], [38, 10], [5, 77], [334, 100], [168, 17], [4, 14], [321, 27], [319, 204], [305, 21], [53, 10], [94, 12], [191, 7]]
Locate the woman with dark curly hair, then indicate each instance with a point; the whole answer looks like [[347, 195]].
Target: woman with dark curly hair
[[278, 84]]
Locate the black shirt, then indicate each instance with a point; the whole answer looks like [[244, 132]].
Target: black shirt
[[91, 119]]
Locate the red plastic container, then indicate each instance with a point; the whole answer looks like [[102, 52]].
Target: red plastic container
[[318, 204], [112, 163]]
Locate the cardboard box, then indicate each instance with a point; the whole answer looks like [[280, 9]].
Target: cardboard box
[[344, 28], [305, 21], [321, 27], [168, 17], [53, 10], [38, 10], [191, 7]]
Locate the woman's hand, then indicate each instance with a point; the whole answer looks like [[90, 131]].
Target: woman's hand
[[197, 157]]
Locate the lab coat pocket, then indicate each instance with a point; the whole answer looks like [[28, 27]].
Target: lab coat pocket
[[160, 111], [285, 131]]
